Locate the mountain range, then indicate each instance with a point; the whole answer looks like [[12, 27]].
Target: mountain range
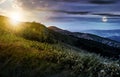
[[87, 36], [111, 34]]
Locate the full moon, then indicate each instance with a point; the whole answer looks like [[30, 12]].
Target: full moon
[[104, 19]]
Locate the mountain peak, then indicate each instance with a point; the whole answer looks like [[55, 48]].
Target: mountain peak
[[54, 28]]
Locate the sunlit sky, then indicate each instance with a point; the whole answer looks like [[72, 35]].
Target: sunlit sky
[[73, 15]]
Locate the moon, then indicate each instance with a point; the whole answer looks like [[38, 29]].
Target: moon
[[104, 19]]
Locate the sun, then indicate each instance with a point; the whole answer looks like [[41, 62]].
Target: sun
[[104, 19], [15, 17]]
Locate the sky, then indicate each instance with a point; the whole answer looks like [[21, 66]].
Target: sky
[[73, 15]]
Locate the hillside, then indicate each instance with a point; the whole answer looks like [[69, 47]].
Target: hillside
[[87, 36], [117, 38], [90, 42], [32, 50]]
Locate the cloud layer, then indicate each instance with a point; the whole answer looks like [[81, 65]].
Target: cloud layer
[[70, 6], [82, 12]]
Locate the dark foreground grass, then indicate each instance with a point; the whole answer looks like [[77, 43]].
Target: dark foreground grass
[[24, 58]]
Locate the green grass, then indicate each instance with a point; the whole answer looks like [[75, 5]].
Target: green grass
[[32, 54]]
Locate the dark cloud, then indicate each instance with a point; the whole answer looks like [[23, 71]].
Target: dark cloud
[[67, 12], [107, 14], [72, 12], [64, 0], [103, 1]]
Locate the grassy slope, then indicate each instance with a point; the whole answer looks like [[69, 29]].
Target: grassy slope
[[30, 51]]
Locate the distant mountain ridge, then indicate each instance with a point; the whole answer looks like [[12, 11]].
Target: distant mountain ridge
[[87, 36], [111, 34], [117, 38]]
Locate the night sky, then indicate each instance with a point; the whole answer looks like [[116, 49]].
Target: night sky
[[73, 15]]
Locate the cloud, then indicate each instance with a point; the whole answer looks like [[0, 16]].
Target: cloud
[[2, 12], [103, 1], [35, 4], [72, 12], [1, 1], [70, 8], [107, 14], [67, 12], [47, 4], [63, 4]]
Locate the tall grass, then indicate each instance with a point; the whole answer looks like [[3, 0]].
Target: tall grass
[[25, 58]]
